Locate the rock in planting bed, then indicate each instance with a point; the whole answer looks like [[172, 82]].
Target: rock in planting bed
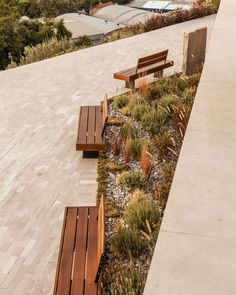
[[144, 135]]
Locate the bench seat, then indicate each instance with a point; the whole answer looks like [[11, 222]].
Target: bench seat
[[81, 251], [90, 137]]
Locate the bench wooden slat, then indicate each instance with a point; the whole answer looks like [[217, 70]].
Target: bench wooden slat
[[64, 279], [104, 114], [91, 125], [77, 287], [83, 122], [153, 58], [91, 286], [98, 130]]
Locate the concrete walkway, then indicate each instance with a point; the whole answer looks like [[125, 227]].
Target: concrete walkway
[[40, 171], [196, 250]]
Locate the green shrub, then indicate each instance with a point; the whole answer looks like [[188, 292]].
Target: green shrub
[[141, 210], [131, 180], [129, 281], [48, 49], [136, 148], [128, 131], [162, 142], [127, 243], [121, 101], [138, 110], [154, 121]]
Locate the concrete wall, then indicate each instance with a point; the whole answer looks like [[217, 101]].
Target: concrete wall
[[196, 249]]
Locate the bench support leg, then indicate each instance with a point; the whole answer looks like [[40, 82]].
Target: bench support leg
[[158, 74], [90, 154], [130, 84]]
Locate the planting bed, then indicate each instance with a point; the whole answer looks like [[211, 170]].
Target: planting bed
[[144, 136]]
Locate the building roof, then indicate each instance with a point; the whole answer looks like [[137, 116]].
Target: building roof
[[161, 5], [123, 14], [81, 24]]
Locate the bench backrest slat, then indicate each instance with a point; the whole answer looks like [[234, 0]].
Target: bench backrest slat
[[152, 59], [92, 264], [101, 234], [104, 104]]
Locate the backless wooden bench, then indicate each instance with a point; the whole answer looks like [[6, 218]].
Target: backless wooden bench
[[81, 251], [91, 128], [154, 63]]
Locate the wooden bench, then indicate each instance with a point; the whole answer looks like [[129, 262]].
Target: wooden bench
[[81, 251], [154, 63], [91, 128]]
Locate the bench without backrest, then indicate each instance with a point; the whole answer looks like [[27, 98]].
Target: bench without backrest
[[81, 251], [154, 63], [91, 128]]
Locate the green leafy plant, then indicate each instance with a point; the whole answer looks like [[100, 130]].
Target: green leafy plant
[[127, 243], [141, 210], [131, 180]]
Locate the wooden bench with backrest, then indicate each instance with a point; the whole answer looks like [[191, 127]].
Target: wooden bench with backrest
[[81, 251], [147, 65], [91, 128]]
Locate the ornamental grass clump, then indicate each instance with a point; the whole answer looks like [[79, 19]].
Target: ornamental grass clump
[[138, 110], [141, 212], [131, 180], [121, 101], [146, 162], [128, 131], [127, 243], [136, 148], [164, 185], [129, 281], [127, 150], [154, 121], [167, 101], [163, 142], [153, 92]]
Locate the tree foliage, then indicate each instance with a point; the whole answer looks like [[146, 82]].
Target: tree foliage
[[16, 34]]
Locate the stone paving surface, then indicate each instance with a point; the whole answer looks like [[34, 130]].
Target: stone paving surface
[[40, 171], [196, 249]]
